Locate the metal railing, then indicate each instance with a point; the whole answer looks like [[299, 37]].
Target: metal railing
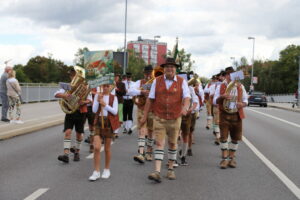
[[38, 92], [281, 98]]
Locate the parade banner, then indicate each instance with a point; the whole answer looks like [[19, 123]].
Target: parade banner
[[99, 68]]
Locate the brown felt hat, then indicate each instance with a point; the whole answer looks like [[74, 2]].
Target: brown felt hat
[[170, 61]]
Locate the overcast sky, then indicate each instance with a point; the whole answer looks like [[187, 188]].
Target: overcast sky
[[211, 30]]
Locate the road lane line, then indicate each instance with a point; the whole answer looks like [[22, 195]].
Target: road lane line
[[279, 119], [37, 194], [134, 127], [290, 185]]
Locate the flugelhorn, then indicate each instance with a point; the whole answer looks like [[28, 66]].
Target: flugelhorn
[[141, 99]]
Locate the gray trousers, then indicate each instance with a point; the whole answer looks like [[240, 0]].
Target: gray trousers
[[4, 100]]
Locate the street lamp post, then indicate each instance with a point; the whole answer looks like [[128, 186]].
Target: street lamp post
[[298, 100], [125, 59], [233, 62], [252, 38], [156, 36]]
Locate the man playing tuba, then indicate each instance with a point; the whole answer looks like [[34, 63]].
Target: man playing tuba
[[76, 119], [231, 97]]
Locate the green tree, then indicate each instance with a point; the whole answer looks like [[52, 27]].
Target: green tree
[[79, 57], [278, 76], [20, 75], [185, 61], [41, 69], [135, 65]]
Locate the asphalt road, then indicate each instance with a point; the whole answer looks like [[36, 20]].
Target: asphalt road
[[29, 163]]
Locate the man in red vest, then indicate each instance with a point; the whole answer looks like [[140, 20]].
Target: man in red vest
[[230, 122], [141, 92], [166, 96]]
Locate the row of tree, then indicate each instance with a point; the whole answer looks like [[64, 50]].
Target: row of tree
[[42, 69], [275, 76]]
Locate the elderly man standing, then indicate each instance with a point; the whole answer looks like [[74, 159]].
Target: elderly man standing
[[3, 94], [166, 96]]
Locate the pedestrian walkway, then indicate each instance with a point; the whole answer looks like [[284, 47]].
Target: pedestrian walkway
[[35, 116], [285, 106]]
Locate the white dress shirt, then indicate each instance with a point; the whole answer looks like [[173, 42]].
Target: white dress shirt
[[60, 91], [212, 91], [185, 87], [135, 89], [206, 89], [128, 86], [194, 98], [113, 110]]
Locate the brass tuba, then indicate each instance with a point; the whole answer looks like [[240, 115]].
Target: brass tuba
[[141, 99], [227, 102], [79, 91], [232, 89], [194, 80]]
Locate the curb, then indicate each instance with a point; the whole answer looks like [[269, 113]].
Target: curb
[[289, 109], [25, 130]]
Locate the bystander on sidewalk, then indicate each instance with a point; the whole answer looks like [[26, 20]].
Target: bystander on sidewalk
[[36, 116]]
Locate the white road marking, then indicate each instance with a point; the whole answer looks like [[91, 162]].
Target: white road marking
[[277, 118], [134, 127], [37, 194], [290, 185]]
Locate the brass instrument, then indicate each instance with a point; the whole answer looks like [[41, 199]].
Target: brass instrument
[[227, 102], [79, 91], [193, 81], [232, 89], [141, 99]]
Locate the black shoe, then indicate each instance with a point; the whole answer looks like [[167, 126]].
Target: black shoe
[[72, 149], [87, 140], [63, 158], [5, 120], [180, 153], [124, 131], [207, 127], [183, 161], [130, 131], [76, 157], [189, 152]]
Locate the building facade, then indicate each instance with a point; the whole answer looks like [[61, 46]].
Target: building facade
[[150, 50]]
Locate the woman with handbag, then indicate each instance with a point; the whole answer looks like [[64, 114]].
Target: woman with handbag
[[14, 97], [106, 122]]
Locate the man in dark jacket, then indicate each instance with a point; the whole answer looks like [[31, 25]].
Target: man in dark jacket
[[3, 94], [120, 91]]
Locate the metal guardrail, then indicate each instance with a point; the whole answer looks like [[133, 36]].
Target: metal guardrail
[[38, 92], [281, 98]]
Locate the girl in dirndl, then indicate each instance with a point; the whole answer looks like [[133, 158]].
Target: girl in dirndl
[[106, 122]]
